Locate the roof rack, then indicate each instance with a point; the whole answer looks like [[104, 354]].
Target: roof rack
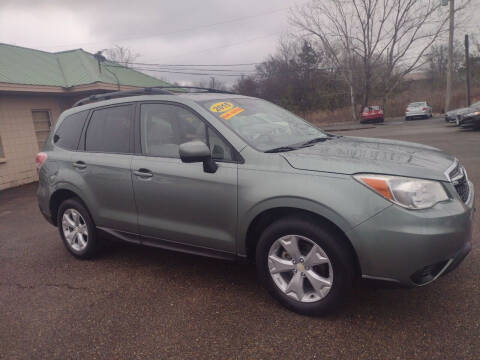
[[119, 94], [201, 89], [158, 90]]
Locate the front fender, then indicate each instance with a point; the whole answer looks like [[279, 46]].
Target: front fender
[[296, 203], [336, 197]]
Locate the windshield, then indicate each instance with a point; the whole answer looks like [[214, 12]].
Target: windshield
[[261, 124], [476, 105]]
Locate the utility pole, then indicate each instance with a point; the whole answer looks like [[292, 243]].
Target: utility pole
[[448, 94], [467, 68]]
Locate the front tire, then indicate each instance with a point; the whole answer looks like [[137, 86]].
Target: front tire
[[77, 229], [305, 266]]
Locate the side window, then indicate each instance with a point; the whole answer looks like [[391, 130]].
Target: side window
[[164, 127], [69, 132], [109, 130], [220, 149]]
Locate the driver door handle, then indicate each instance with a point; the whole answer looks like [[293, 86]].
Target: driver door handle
[[143, 173]]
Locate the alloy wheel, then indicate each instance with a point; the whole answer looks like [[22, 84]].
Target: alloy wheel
[[75, 229], [300, 268]]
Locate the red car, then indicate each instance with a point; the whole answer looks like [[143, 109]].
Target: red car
[[372, 114]]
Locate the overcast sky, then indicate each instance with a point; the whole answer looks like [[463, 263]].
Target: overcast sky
[[161, 31]]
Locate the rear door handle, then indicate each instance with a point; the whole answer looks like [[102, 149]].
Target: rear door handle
[[143, 173], [79, 165]]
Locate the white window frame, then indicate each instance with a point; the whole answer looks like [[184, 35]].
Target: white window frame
[[49, 112]]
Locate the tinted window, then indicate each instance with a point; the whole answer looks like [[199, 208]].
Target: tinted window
[[164, 127], [69, 131], [109, 130]]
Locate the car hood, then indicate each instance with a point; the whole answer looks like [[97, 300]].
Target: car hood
[[460, 111], [352, 155]]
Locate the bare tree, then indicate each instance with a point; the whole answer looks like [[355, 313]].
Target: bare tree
[[437, 62], [329, 22], [121, 55], [389, 38]]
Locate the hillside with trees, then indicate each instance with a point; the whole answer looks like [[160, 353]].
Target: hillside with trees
[[346, 55]]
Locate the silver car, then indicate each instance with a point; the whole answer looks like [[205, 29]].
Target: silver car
[[234, 177], [418, 110]]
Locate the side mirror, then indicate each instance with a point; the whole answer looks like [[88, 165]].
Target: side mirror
[[197, 151]]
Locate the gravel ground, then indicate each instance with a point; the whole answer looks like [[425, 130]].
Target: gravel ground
[[141, 303]]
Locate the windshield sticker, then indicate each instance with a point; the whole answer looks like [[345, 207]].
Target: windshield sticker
[[221, 107], [232, 113]]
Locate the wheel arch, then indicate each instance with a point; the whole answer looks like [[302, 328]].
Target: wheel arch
[[268, 216], [59, 196]]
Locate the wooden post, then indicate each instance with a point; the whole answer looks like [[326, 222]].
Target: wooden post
[[467, 68], [448, 93]]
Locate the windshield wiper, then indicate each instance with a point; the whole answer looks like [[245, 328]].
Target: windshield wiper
[[302, 145], [282, 149], [316, 140]]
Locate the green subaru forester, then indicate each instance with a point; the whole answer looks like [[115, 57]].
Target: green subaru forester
[[230, 176]]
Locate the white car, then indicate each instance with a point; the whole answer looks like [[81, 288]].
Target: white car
[[418, 110]]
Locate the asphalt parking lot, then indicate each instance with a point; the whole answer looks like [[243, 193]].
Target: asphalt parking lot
[[136, 302]]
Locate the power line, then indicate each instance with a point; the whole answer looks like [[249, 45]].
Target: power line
[[209, 70], [228, 45], [187, 69], [188, 65], [186, 73], [238, 19]]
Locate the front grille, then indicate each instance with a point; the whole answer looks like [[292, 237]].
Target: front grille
[[458, 177], [463, 189]]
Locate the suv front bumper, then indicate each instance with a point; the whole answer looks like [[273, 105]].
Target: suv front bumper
[[414, 247]]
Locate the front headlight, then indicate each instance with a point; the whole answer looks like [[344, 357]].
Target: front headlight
[[407, 192], [472, 114]]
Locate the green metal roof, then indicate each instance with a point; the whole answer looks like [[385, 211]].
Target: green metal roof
[[19, 65]]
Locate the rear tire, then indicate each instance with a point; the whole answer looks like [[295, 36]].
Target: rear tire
[[407, 118], [77, 229], [299, 284]]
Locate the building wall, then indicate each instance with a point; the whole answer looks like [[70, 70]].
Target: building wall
[[17, 135]]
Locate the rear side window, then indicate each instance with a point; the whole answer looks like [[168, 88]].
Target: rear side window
[[69, 131], [109, 130]]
